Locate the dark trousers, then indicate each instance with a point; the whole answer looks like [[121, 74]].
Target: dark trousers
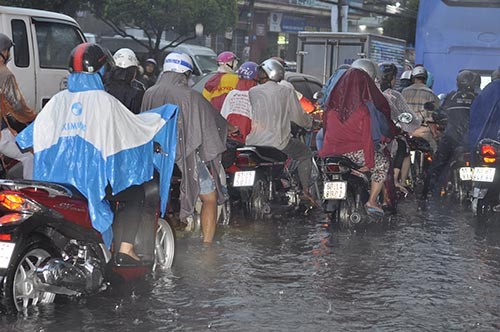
[[440, 162], [297, 150], [128, 218]]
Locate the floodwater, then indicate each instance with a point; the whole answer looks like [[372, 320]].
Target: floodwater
[[435, 269]]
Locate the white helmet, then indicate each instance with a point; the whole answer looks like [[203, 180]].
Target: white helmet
[[178, 63], [125, 58], [368, 66], [406, 75]]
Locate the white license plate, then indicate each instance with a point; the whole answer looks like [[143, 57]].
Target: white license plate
[[483, 174], [6, 250], [244, 179], [335, 190], [465, 173]]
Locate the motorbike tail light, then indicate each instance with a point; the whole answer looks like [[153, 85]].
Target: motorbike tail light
[[333, 168], [5, 237], [489, 154], [428, 156], [13, 218], [18, 203], [244, 161]]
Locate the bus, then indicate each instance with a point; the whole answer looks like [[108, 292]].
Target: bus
[[453, 35]]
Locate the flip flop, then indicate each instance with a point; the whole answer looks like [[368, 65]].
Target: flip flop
[[374, 210]]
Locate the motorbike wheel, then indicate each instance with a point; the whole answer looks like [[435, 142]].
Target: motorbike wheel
[[258, 204], [164, 246], [226, 211], [346, 210], [21, 281]]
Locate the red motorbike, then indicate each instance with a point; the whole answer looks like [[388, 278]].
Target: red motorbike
[[48, 246]]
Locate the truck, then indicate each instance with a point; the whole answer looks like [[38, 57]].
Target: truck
[[320, 53], [43, 42]]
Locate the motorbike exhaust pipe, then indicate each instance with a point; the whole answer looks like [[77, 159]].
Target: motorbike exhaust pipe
[[61, 277]]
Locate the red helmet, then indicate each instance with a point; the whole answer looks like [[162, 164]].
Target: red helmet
[[89, 58]]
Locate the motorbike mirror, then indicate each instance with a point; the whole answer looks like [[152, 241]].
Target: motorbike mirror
[[405, 118], [429, 106], [318, 95]]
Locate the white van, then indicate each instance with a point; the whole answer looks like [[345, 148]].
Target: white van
[[204, 58], [43, 42]]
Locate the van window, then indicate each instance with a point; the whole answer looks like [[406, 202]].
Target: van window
[[20, 39], [55, 43], [208, 63]]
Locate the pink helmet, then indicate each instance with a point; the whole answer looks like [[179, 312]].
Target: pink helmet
[[226, 57]]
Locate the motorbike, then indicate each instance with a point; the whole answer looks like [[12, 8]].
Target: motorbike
[[345, 191], [49, 248], [261, 175], [421, 159], [485, 179], [460, 176]]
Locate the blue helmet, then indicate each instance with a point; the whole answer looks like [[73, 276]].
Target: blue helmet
[[248, 71]]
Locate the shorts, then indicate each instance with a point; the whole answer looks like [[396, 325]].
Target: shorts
[[207, 184]]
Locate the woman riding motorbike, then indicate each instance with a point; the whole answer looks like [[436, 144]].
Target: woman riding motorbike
[[400, 149], [357, 120]]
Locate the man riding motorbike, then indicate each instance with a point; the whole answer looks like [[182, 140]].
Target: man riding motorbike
[[86, 138], [201, 140], [13, 111], [236, 108], [122, 83], [417, 95], [274, 108], [456, 107]]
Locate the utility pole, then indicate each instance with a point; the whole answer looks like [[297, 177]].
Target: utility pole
[[343, 13], [251, 21]]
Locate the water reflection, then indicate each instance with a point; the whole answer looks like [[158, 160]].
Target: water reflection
[[435, 269]]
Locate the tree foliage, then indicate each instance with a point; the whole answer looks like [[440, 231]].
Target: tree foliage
[[68, 7], [403, 27], [158, 16]]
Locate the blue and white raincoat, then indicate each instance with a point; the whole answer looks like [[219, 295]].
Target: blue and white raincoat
[[85, 137]]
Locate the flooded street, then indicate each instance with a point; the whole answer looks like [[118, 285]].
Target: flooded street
[[436, 269]]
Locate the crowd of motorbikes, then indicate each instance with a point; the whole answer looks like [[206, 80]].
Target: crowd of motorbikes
[[49, 247]]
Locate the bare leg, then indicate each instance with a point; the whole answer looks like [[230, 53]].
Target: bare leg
[[208, 216], [128, 249], [375, 190], [396, 176], [405, 170]]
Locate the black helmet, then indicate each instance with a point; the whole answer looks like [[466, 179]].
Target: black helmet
[[5, 42], [89, 58], [388, 70], [466, 80], [495, 75]]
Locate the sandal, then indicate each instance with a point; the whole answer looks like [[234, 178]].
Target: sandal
[[374, 210]]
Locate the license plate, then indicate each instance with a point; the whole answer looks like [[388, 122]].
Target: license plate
[[244, 179], [335, 190], [465, 173], [483, 174], [6, 250]]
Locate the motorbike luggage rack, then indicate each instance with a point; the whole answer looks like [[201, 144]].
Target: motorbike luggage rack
[[266, 153], [53, 189]]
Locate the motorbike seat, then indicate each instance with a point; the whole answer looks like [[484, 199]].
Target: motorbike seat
[[342, 161], [267, 153]]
